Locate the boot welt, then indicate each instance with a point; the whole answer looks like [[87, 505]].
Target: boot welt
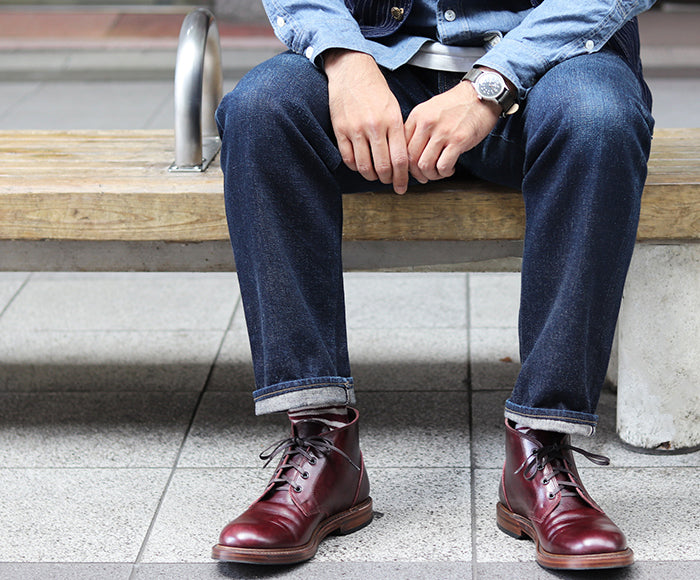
[[520, 527], [343, 523]]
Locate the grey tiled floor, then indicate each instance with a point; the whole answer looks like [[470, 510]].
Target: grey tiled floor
[[127, 436]]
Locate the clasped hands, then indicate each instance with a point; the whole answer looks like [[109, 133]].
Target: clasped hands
[[373, 138]]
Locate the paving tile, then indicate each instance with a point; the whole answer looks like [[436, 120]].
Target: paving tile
[[119, 104], [405, 300], [77, 515], [226, 433], [164, 116], [10, 283], [666, 114], [124, 301], [408, 359], [494, 299], [430, 428], [658, 517], [488, 428], [233, 370], [387, 359], [129, 429], [488, 433], [11, 94], [312, 570], [422, 515], [197, 505], [494, 358], [94, 360], [415, 429], [639, 571], [65, 571]]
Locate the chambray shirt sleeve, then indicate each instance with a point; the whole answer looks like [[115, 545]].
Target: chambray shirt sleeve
[[310, 27], [557, 30]]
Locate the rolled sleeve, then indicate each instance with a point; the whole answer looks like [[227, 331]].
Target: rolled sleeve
[[310, 28], [554, 32]]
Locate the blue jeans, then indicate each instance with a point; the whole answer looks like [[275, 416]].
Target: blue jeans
[[578, 151]]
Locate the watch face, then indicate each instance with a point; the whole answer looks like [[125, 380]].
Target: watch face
[[489, 85]]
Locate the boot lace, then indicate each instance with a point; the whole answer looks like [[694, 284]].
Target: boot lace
[[554, 455], [307, 447]]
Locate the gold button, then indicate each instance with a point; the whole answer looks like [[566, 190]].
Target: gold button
[[397, 13]]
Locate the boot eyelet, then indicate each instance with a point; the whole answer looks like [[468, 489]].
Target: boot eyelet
[[305, 475], [313, 461], [550, 495], [297, 488], [545, 481]]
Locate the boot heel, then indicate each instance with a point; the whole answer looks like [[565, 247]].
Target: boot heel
[[356, 518], [507, 523]]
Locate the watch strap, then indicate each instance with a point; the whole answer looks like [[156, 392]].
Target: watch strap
[[508, 100]]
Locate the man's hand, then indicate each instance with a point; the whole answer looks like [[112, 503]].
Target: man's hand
[[439, 130], [366, 118]]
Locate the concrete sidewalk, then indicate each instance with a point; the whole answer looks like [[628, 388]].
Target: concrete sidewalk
[[128, 438]]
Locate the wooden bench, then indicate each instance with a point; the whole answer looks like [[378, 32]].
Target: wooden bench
[[104, 200], [59, 190]]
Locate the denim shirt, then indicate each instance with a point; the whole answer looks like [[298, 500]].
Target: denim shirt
[[535, 35]]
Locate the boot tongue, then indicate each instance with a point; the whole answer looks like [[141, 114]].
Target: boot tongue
[[309, 428], [544, 437]]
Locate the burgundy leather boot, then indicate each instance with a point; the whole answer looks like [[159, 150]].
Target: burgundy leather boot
[[319, 487], [542, 497]]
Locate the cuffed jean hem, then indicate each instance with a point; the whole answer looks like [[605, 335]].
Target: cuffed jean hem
[[555, 420], [315, 392]]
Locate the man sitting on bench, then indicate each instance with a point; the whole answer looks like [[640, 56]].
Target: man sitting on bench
[[544, 96]]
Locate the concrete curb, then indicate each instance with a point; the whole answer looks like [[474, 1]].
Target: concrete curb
[[149, 61]]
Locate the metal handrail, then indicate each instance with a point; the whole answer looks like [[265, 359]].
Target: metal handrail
[[198, 89]]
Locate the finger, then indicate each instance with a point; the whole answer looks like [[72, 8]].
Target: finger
[[398, 153], [363, 159], [447, 162], [429, 158], [381, 159], [416, 142], [346, 152]]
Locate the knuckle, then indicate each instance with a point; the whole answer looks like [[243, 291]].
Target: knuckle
[[424, 165]]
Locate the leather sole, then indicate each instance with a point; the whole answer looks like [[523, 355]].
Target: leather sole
[[519, 527], [343, 523]]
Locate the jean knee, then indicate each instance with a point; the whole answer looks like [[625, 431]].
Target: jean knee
[[285, 91], [242, 107], [592, 104]]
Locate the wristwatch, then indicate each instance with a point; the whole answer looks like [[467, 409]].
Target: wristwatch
[[491, 86]]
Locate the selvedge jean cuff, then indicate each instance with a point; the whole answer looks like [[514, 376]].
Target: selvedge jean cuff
[[313, 392], [559, 421]]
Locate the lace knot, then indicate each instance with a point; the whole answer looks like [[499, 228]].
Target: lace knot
[[554, 455]]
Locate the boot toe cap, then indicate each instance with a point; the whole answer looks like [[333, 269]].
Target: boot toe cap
[[585, 538]]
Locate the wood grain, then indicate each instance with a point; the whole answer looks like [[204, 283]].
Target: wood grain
[[114, 185]]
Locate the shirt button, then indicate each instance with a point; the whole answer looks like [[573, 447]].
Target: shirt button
[[450, 15], [590, 45], [309, 52], [280, 21], [397, 13]]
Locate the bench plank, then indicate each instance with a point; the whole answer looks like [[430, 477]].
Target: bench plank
[[114, 185]]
